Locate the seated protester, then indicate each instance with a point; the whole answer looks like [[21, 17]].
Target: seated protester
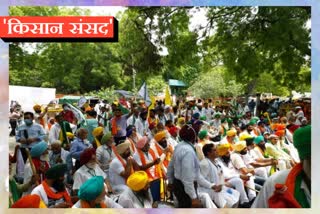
[[150, 163], [133, 136], [285, 145], [92, 194], [52, 190], [89, 168], [232, 176], [40, 160], [290, 188], [78, 145], [237, 159], [121, 167], [97, 133], [29, 201], [57, 154], [223, 196], [16, 189], [284, 160], [138, 194], [162, 149], [59, 132], [230, 138], [104, 153], [203, 140]]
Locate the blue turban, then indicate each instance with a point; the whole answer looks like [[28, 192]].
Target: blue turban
[[196, 115], [91, 189], [38, 149], [258, 139]]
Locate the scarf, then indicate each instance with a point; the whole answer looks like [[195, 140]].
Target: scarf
[[63, 133], [14, 190], [37, 164], [133, 147], [58, 195], [85, 204], [168, 156], [114, 127], [290, 194], [121, 159], [157, 173]]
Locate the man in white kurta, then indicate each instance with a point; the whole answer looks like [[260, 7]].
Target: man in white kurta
[[226, 197]]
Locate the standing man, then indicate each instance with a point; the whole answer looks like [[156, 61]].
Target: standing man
[[184, 173], [119, 125], [29, 134]]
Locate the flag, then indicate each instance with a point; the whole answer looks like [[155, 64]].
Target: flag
[[153, 102], [143, 92], [78, 114], [167, 100]]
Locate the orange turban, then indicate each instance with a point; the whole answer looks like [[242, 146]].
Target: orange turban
[[280, 133], [160, 135], [37, 107], [280, 127]]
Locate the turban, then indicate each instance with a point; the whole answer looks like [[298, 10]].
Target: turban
[[181, 120], [173, 131], [159, 136], [57, 171], [203, 118], [91, 189], [217, 115], [97, 131], [122, 147], [280, 133], [37, 107], [106, 138], [231, 133], [202, 134], [196, 115], [258, 139], [223, 120], [229, 120], [280, 127], [298, 107], [252, 122], [240, 145], [245, 137], [70, 135], [142, 142], [293, 128], [187, 133], [29, 201], [86, 155], [272, 136], [38, 149], [302, 141], [56, 142], [138, 180], [223, 149]]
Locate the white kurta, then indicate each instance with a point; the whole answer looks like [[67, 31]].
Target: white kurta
[[39, 190], [54, 133], [117, 182], [104, 157], [227, 197], [128, 199], [84, 173], [108, 201]]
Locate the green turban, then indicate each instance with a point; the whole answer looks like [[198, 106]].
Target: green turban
[[57, 171], [202, 134], [106, 138], [203, 118], [302, 141], [91, 189], [258, 139]]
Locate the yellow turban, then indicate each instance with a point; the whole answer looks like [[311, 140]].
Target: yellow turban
[[239, 146], [37, 107], [231, 133], [245, 136], [181, 121], [97, 131], [70, 135], [160, 135], [138, 180], [223, 149]]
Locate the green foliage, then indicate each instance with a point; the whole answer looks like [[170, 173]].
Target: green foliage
[[156, 85], [213, 84], [105, 94]]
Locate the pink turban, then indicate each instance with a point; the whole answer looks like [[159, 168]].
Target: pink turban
[[142, 142]]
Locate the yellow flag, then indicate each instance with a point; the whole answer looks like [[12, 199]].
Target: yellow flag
[[167, 100], [153, 102]]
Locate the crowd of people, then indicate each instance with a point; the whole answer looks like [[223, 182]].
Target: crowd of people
[[126, 155]]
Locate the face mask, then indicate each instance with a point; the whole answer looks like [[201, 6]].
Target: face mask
[[44, 157], [28, 122], [91, 164], [65, 108]]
